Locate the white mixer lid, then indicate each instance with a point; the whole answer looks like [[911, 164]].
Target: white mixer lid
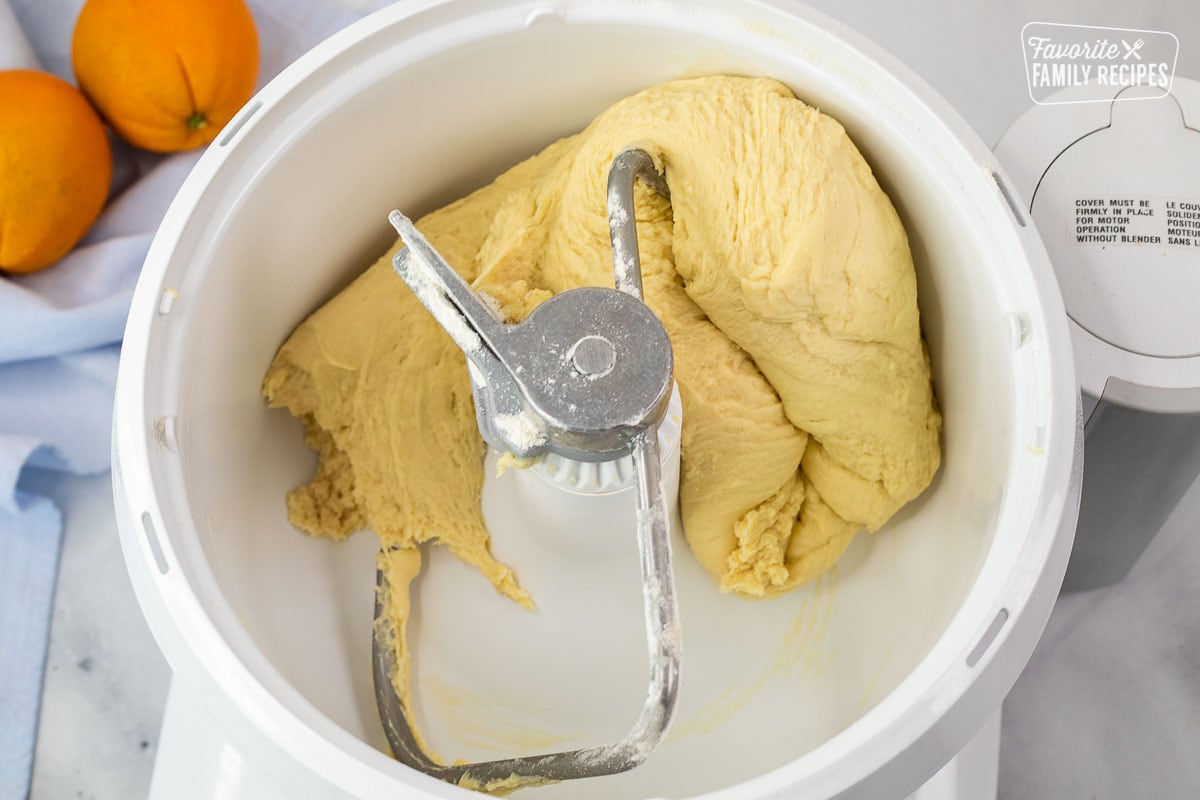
[[1114, 188]]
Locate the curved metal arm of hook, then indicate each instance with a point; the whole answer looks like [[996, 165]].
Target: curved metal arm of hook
[[506, 359], [663, 638], [470, 324], [447, 296], [627, 167]]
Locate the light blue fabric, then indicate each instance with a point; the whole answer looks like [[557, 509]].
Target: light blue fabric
[[60, 333]]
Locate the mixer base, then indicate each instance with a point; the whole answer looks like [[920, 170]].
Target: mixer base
[[195, 763], [974, 772]]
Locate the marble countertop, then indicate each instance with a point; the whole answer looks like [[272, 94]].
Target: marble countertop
[[107, 682]]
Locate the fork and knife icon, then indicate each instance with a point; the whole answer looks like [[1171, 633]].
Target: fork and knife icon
[[1132, 49]]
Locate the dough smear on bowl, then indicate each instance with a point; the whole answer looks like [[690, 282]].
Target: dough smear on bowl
[[784, 279]]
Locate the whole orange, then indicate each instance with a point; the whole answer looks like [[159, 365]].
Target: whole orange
[[166, 74], [55, 169]]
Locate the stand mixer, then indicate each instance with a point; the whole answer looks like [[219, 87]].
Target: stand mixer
[[861, 685]]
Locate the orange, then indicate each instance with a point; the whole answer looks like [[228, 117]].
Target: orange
[[166, 74], [55, 169]]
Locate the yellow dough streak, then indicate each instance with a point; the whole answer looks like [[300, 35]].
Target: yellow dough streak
[[782, 274]]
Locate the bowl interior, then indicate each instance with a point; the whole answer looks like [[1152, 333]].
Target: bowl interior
[[410, 119]]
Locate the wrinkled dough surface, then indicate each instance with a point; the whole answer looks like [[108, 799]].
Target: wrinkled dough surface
[[782, 274]]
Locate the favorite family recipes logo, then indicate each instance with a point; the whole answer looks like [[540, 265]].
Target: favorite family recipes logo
[[1087, 64]]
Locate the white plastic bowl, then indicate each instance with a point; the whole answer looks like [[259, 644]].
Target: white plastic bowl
[[861, 685]]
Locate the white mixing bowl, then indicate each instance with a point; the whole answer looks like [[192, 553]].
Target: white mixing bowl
[[861, 684]]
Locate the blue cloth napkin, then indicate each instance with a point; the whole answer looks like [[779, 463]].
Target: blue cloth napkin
[[60, 333]]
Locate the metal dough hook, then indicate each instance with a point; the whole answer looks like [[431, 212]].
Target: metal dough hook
[[588, 376]]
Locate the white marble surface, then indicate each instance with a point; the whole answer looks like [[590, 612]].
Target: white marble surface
[[1109, 706], [107, 682]]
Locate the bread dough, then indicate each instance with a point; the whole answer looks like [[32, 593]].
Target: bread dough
[[783, 276]]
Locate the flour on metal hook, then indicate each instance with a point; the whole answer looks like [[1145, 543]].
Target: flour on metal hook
[[520, 430]]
